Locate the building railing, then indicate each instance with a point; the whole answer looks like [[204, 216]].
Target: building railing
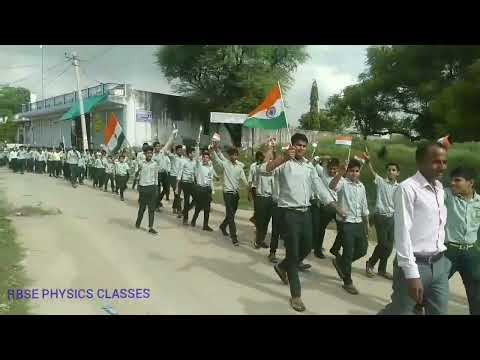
[[70, 98]]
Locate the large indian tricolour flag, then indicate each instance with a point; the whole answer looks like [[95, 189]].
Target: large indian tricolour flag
[[270, 114], [343, 140], [113, 136]]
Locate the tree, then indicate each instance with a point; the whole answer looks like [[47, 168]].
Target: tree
[[11, 100], [420, 89], [229, 78], [314, 98]]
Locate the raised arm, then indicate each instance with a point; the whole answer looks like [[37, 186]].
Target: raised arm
[[370, 166], [334, 183], [281, 159], [169, 143]]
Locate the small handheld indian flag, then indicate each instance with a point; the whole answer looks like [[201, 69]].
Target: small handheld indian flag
[[446, 141], [270, 114], [113, 136], [343, 140]]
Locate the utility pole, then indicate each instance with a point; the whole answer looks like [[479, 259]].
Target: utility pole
[[74, 59]]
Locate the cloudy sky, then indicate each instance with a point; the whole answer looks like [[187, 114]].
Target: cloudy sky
[[333, 66]]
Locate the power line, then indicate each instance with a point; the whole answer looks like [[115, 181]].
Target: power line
[[35, 74], [59, 75], [17, 66], [96, 57]]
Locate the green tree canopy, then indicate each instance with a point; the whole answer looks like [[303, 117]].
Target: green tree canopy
[[11, 100], [229, 78]]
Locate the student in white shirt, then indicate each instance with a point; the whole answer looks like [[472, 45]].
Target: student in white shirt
[[420, 273]]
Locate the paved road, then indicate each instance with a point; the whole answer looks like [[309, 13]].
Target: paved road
[[92, 243]]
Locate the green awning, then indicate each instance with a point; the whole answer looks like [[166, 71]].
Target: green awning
[[88, 105]]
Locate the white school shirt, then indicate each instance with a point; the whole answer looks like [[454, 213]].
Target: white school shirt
[[420, 217]]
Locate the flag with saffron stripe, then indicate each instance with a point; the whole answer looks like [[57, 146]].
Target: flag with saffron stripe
[[270, 114]]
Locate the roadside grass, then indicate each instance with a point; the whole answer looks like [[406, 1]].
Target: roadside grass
[[12, 273]]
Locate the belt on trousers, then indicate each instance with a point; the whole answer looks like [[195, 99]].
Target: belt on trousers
[[460, 246], [299, 208], [428, 259]]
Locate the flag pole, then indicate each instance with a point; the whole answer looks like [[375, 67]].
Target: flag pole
[[284, 111]]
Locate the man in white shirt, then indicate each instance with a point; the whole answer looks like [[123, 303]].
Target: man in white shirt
[[420, 273]]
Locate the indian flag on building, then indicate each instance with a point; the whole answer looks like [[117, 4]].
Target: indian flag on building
[[113, 136], [343, 140], [270, 114]]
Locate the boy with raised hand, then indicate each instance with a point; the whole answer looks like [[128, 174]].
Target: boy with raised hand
[[352, 200], [176, 160], [461, 232], [204, 175], [163, 162], [186, 180], [233, 174], [121, 175], [147, 189], [297, 181], [383, 217]]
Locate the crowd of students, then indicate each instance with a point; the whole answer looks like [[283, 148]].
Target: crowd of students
[[427, 226]]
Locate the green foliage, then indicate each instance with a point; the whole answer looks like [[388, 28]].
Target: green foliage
[[428, 90], [229, 78], [314, 98], [382, 153], [11, 100]]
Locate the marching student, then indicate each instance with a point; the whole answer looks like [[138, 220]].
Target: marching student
[[109, 173], [383, 218], [186, 180], [22, 154], [176, 160], [259, 157], [82, 167], [72, 160], [13, 158], [163, 162], [42, 160], [134, 165], [3, 157], [326, 213], [233, 174], [204, 174], [29, 159], [121, 175], [420, 270], [164, 165], [297, 181], [462, 231], [147, 189], [352, 200], [57, 162], [263, 185], [35, 165], [276, 214], [50, 165], [99, 178]]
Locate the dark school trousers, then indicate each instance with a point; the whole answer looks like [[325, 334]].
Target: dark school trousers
[[121, 182], [467, 263], [21, 165], [73, 170], [384, 226], [176, 199], [324, 216], [263, 214], [297, 234], [203, 199], [50, 168], [188, 194], [66, 171], [164, 185], [109, 177], [81, 174], [100, 174], [355, 246], [147, 196], [276, 228], [231, 205]]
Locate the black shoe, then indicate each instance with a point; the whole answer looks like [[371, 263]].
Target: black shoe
[[304, 267], [281, 274], [137, 226], [152, 231], [235, 242], [319, 255], [179, 215], [192, 224], [160, 205], [122, 198], [224, 231], [207, 228], [334, 253], [256, 245], [185, 222]]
